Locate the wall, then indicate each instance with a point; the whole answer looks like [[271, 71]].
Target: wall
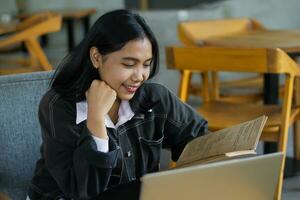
[[168, 4], [54, 4]]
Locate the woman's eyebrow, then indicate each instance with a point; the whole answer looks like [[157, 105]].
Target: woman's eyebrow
[[135, 59]]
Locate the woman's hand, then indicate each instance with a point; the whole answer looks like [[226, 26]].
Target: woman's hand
[[100, 98]]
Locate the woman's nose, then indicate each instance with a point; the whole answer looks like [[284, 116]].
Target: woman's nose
[[138, 74]]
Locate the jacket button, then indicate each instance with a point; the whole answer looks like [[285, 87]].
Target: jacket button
[[128, 154]]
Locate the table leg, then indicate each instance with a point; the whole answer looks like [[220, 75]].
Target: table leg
[[44, 40], [271, 88], [70, 29], [86, 24]]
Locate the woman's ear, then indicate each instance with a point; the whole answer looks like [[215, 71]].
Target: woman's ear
[[95, 57]]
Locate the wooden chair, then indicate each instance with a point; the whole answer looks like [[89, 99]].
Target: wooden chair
[[69, 17], [222, 114], [194, 33], [28, 32]]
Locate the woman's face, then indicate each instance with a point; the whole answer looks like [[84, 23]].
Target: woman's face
[[125, 70]]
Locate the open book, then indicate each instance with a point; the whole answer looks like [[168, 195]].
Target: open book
[[238, 140]]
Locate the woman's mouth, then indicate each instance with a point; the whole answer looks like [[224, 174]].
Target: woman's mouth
[[130, 88]]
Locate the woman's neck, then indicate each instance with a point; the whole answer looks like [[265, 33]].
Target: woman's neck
[[113, 112]]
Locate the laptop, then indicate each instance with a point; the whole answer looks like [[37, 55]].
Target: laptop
[[243, 178]]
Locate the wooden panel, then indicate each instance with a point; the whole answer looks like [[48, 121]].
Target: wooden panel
[[227, 113], [280, 62], [288, 40], [198, 30], [51, 25], [230, 59], [217, 59]]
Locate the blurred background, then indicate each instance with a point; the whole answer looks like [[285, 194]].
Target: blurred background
[[162, 16]]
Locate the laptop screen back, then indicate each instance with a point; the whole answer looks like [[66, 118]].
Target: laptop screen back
[[245, 178]]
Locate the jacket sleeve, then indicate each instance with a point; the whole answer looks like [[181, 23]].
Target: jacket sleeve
[[183, 123], [70, 152]]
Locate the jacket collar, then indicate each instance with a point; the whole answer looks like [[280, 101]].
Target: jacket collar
[[142, 101], [125, 114]]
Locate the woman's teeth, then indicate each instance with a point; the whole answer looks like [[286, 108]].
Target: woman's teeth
[[131, 88]]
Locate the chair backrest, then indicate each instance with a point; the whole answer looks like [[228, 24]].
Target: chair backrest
[[192, 32], [28, 32], [20, 136], [195, 33], [259, 60]]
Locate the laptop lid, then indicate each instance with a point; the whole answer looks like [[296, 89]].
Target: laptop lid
[[244, 178]]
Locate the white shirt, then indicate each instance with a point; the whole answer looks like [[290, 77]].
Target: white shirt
[[125, 114]]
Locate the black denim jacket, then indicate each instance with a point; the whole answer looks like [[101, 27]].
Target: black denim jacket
[[71, 166]]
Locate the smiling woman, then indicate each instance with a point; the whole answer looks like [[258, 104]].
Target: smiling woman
[[103, 124], [125, 70]]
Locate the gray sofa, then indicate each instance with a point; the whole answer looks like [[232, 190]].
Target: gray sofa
[[20, 136]]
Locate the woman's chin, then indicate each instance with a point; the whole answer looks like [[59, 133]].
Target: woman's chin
[[125, 97]]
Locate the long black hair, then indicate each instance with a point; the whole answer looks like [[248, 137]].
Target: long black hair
[[109, 33]]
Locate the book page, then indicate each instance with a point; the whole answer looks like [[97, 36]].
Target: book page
[[241, 137], [240, 154]]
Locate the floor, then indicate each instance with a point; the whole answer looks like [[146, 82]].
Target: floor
[[291, 188]]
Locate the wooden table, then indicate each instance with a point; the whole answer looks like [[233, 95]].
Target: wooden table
[[287, 40], [69, 16]]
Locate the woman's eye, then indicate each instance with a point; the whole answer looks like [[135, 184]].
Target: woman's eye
[[128, 65], [147, 65]]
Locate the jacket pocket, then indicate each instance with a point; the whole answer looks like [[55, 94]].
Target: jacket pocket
[[151, 150]]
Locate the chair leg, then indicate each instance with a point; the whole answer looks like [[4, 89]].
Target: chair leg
[[278, 191], [206, 96], [185, 80], [283, 138], [215, 86], [33, 62], [40, 55]]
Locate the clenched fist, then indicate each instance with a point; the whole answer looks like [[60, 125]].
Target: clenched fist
[[100, 98]]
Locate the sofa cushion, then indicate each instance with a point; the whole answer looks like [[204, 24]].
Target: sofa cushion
[[20, 136]]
